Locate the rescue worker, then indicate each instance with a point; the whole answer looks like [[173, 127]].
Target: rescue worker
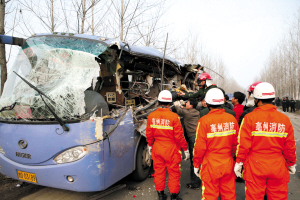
[[237, 101], [284, 104], [266, 148], [165, 136], [250, 102], [250, 106], [205, 110], [190, 118], [292, 104], [205, 82], [214, 149]]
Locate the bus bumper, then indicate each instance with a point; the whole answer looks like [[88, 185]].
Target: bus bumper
[[87, 173]]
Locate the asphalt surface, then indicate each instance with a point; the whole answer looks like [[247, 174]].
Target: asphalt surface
[[145, 190]]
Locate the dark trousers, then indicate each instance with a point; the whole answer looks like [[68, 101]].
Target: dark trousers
[[292, 108], [284, 108], [287, 109], [194, 179]]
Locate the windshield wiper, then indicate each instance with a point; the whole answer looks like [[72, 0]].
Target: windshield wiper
[[33, 87], [63, 125]]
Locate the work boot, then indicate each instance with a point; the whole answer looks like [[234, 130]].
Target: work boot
[[161, 195], [175, 196]]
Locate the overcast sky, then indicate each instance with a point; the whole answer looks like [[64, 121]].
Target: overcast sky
[[241, 32]]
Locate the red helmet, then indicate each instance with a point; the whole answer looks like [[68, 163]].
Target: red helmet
[[251, 87], [204, 76]]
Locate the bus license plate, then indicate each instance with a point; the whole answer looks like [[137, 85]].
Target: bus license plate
[[27, 176]]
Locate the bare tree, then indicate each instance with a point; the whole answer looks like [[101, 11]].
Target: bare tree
[[2, 46], [83, 7], [192, 51], [282, 68], [137, 21], [3, 14], [44, 11]]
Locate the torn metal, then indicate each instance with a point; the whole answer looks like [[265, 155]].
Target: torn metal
[[89, 78]]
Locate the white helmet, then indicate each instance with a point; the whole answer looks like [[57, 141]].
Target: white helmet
[[264, 90], [214, 96], [165, 96]]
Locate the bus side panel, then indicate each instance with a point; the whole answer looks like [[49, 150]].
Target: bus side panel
[[87, 172], [120, 162]]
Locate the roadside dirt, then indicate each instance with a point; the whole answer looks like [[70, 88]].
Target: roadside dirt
[[14, 189]]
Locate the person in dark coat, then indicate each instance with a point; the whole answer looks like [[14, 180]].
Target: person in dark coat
[[249, 110], [284, 104], [292, 104], [277, 101], [227, 103], [287, 104], [190, 116]]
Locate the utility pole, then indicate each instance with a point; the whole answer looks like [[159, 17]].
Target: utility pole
[[163, 65], [2, 46], [52, 16], [122, 21]]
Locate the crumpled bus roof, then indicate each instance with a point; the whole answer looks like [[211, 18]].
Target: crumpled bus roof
[[142, 51]]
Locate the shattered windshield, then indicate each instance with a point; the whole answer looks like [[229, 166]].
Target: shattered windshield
[[62, 68]]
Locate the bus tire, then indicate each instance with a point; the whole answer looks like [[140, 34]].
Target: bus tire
[[142, 170]]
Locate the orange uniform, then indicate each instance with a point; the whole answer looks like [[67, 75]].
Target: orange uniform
[[215, 146], [266, 147], [164, 132]]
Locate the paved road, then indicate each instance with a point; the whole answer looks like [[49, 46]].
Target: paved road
[[145, 190]]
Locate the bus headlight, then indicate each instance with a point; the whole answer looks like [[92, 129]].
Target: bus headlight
[[71, 155], [1, 150]]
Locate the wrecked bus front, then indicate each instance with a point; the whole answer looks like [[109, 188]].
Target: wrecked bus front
[[65, 121], [38, 154]]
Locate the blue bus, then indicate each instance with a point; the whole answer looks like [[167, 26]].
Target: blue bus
[[74, 108]]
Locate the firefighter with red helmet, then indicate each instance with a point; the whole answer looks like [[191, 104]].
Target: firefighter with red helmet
[[205, 82], [266, 148], [165, 139], [215, 146], [250, 103], [250, 106]]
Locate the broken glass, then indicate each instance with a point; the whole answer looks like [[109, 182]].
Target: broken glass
[[62, 68]]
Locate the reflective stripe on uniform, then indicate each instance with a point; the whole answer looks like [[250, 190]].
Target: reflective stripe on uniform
[[239, 138], [269, 134], [198, 126], [161, 127], [221, 134], [203, 189]]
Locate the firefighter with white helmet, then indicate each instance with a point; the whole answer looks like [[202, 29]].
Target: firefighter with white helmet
[[215, 146], [205, 111], [165, 96], [165, 139], [205, 82], [266, 148]]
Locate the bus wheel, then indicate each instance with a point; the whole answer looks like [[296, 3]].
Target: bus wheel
[[142, 170]]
